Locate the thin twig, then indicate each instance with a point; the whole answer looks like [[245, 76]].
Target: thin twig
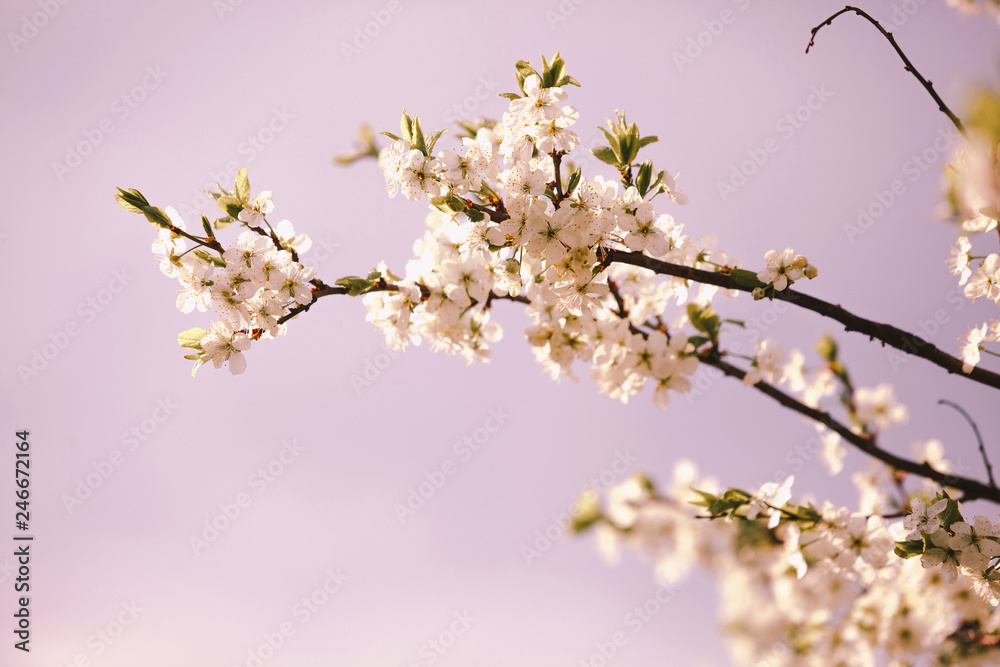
[[979, 436], [906, 61], [973, 489]]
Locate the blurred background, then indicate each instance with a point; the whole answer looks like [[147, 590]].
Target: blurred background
[[254, 520]]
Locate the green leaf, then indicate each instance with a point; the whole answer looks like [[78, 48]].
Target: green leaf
[[208, 257], [574, 180], [390, 135], [740, 323], [207, 226], [449, 204], [645, 141], [222, 223], [568, 81], [524, 70], [157, 216], [706, 498], [704, 320], [951, 514], [642, 178], [194, 356], [745, 278], [418, 137], [355, 285], [697, 341], [615, 145], [474, 215], [909, 548], [131, 200], [605, 154], [827, 349], [225, 202], [191, 338], [511, 96], [552, 72], [406, 127], [432, 139], [242, 186]]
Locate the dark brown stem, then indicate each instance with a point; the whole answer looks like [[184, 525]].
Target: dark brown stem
[[885, 333], [973, 489], [979, 437], [207, 242], [908, 66]]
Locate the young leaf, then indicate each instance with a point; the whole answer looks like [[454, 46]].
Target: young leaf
[[208, 257], [156, 216], [242, 186], [191, 338], [207, 226], [355, 285], [605, 154], [131, 200]]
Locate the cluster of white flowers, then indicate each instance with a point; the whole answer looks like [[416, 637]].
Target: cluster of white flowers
[[536, 236], [974, 195], [818, 587], [251, 286]]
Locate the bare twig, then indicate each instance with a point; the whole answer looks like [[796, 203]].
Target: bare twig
[[979, 436], [908, 66], [973, 489]]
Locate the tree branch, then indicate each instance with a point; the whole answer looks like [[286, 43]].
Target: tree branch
[[973, 489], [886, 333], [908, 66], [322, 289], [979, 437]]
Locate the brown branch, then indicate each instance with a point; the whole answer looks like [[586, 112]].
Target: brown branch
[[973, 489], [203, 241], [322, 289], [885, 333], [979, 437], [908, 66]]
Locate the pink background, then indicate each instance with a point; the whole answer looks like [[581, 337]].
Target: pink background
[[64, 238]]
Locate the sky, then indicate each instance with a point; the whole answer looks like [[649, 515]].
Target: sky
[[252, 520]]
